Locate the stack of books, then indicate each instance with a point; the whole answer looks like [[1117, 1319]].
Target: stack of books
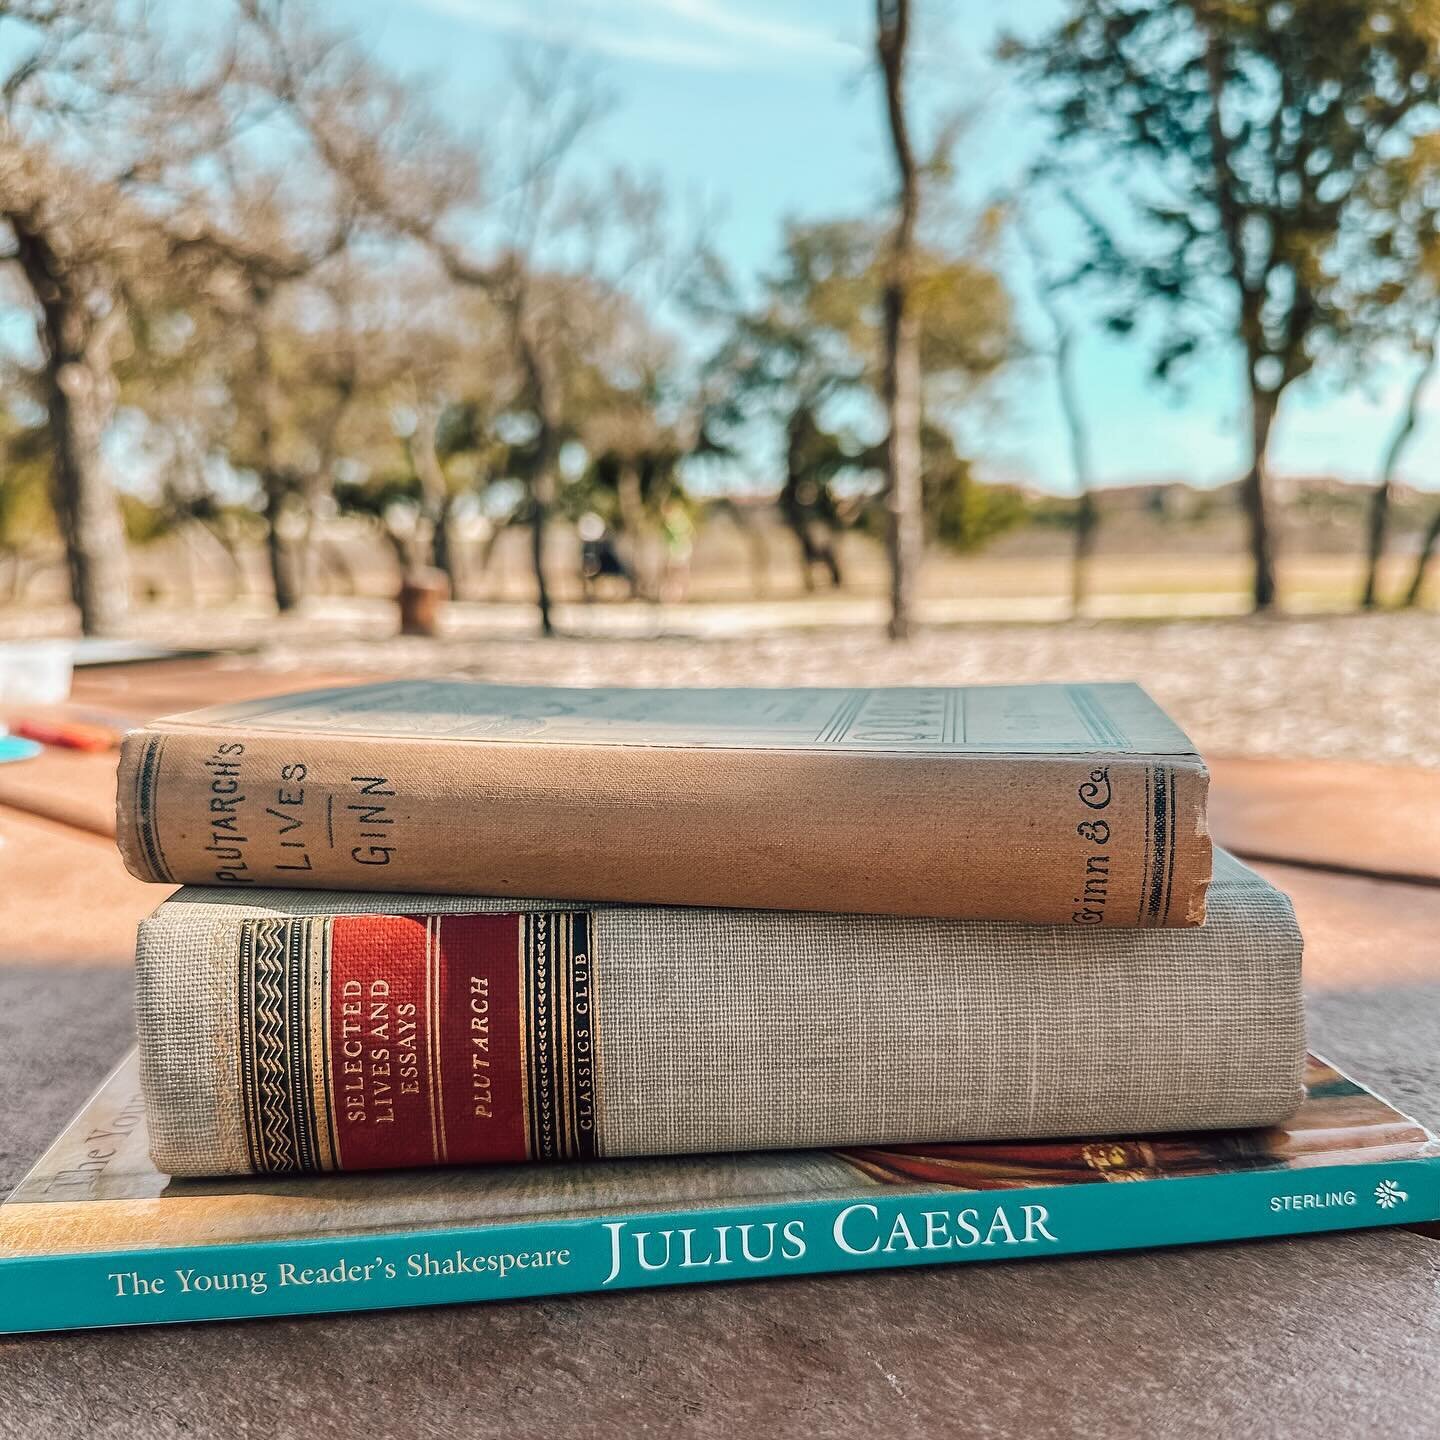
[[881, 977]]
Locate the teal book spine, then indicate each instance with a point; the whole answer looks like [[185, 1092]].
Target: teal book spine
[[636, 1248]]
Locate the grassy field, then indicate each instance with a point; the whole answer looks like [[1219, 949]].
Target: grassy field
[[757, 578]]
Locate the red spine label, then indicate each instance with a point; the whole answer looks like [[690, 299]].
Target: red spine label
[[375, 1041]]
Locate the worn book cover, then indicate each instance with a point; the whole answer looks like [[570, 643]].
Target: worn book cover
[[1081, 805], [95, 1235], [294, 1030]]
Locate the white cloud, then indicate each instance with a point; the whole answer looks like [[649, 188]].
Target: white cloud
[[683, 34], [729, 22]]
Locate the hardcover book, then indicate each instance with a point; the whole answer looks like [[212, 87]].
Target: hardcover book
[[284, 1031], [1080, 805], [95, 1235]]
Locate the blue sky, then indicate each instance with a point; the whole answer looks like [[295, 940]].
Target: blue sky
[[760, 112]]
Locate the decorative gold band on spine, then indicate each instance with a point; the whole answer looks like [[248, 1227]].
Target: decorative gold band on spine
[[1158, 872], [280, 1050], [557, 1017]]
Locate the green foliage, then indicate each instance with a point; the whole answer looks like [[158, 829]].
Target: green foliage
[[26, 517], [963, 514], [811, 350], [612, 485], [816, 334], [378, 496], [1053, 512], [1249, 136], [145, 523], [1394, 261]]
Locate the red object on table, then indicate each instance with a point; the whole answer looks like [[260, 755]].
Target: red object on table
[[68, 734]]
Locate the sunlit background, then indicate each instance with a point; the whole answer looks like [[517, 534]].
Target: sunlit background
[[325, 320]]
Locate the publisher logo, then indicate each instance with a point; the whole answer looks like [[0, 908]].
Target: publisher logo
[[1388, 1195]]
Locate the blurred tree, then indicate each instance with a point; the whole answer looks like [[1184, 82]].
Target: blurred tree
[[1396, 263], [634, 422], [900, 390], [815, 459], [1423, 561], [633, 480], [478, 460], [134, 189], [421, 435], [73, 243], [175, 412], [784, 362], [288, 377], [960, 512], [1242, 133], [559, 260], [337, 356], [1049, 288], [1377, 521], [66, 247], [26, 519], [812, 349]]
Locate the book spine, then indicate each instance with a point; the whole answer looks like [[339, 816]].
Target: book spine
[[646, 1249], [1117, 841], [310, 1041]]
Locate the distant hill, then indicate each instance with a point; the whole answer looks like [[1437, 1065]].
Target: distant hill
[[1320, 514]]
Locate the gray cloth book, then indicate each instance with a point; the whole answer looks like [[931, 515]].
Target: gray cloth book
[[295, 1031]]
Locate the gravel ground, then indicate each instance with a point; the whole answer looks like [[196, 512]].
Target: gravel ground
[[1352, 687]]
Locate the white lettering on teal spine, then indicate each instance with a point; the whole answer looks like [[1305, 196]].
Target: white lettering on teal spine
[[1309, 1200], [859, 1230], [690, 1248]]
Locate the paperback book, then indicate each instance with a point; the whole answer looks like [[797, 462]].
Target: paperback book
[[96, 1236]]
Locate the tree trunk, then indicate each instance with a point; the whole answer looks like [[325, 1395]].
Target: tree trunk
[[1384, 492], [1263, 405], [226, 545], [543, 485], [1234, 218], [435, 492], [1086, 516], [487, 554], [85, 503], [1377, 523], [817, 542], [632, 516], [78, 390], [902, 460], [285, 570], [1422, 561], [445, 548], [798, 526], [1086, 523], [794, 513], [901, 389], [542, 496]]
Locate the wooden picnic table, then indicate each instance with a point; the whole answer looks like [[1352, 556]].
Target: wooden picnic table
[[1326, 1335]]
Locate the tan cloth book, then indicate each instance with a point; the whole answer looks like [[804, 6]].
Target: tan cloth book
[[1080, 805], [286, 1031]]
